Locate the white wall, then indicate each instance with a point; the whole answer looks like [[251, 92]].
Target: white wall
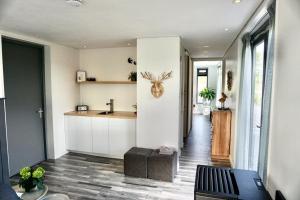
[[232, 63], [108, 64], [158, 119], [284, 148], [65, 91], [62, 94]]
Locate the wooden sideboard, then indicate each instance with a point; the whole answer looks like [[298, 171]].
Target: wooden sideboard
[[221, 133]]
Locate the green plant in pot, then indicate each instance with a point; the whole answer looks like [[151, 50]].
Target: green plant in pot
[[31, 178], [208, 95], [132, 76]]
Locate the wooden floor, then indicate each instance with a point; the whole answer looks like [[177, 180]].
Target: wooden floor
[[88, 177]]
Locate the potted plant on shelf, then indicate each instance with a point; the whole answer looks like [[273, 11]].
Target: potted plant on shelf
[[208, 95], [31, 178], [132, 76]]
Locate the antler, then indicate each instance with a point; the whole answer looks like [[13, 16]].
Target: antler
[[165, 76], [148, 76]]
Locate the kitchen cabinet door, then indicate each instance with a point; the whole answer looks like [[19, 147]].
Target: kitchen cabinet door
[[121, 136], [79, 134], [100, 135]]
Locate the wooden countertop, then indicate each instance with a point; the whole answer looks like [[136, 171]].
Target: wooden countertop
[[94, 113]]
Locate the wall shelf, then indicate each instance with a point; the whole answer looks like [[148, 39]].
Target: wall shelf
[[108, 82]]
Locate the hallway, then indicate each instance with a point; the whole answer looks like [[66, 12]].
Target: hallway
[[197, 147]]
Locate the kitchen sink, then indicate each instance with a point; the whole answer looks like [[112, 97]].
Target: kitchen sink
[[105, 113]]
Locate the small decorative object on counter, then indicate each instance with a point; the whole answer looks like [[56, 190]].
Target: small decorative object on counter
[[82, 108], [157, 88], [132, 76], [80, 76], [222, 101], [31, 178], [91, 79], [229, 80]]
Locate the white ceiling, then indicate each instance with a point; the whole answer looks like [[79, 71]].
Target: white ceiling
[[115, 23]]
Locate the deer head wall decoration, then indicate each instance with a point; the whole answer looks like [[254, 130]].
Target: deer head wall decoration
[[157, 88]]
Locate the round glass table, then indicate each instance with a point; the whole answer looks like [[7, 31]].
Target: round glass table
[[36, 194]]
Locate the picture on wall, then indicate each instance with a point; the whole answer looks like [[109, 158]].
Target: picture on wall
[[80, 76]]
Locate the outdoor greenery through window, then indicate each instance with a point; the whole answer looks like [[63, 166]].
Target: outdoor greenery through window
[[202, 82]]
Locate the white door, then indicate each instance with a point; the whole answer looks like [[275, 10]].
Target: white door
[[121, 136], [100, 135], [79, 134]]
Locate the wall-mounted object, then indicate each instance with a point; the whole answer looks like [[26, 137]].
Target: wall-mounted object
[[80, 76], [132, 76], [131, 61], [157, 88], [229, 80], [109, 82]]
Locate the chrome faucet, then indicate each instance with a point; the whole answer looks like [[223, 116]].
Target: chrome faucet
[[111, 105]]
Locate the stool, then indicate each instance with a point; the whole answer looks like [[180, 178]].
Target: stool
[[135, 162], [162, 167]]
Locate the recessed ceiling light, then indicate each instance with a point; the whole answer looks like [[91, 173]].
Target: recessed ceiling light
[[75, 3], [128, 44], [226, 29], [236, 1], [206, 46]]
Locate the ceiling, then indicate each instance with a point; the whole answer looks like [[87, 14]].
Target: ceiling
[[117, 23]]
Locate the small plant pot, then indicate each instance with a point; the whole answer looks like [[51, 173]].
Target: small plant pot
[[29, 186]]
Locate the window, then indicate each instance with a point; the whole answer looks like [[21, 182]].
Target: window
[[202, 82], [259, 56]]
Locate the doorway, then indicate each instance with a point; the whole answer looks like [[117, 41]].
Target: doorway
[[205, 74], [23, 68]]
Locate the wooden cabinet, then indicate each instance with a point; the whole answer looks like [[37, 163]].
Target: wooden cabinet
[[100, 135], [121, 135], [105, 136], [221, 133], [78, 135]]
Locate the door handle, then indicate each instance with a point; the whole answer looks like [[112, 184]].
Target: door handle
[[40, 112], [258, 126]]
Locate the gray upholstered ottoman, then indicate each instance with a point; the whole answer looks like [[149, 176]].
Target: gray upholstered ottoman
[[135, 162], [162, 167]]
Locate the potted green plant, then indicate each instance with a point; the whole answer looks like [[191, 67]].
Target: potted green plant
[[132, 76], [208, 95], [31, 178]]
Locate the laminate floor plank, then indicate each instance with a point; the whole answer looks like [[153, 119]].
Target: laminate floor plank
[[86, 177]]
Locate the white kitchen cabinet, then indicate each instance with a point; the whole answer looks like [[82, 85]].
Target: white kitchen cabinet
[[111, 137], [100, 135], [78, 133], [121, 136]]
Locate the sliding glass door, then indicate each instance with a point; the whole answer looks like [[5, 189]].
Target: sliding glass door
[[259, 50]]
